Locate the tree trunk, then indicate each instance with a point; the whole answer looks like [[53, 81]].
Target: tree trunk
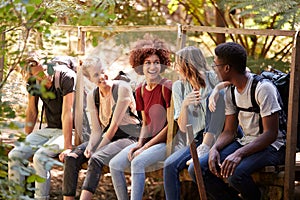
[[219, 13]]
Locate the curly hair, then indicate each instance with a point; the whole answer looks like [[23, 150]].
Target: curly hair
[[191, 61], [145, 48]]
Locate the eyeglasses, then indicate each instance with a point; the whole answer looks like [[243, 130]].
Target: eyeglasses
[[214, 65]]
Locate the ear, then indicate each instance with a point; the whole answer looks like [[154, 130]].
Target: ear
[[227, 68]]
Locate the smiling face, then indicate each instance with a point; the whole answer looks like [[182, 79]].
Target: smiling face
[[94, 71], [98, 76], [152, 67]]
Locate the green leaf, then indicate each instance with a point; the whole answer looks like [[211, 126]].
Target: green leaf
[[95, 41], [50, 69], [31, 179], [3, 174], [36, 1], [30, 9], [40, 179]]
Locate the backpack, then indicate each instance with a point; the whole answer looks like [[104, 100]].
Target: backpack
[[281, 82]]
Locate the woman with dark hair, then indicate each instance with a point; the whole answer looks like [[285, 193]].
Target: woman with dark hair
[[150, 57]]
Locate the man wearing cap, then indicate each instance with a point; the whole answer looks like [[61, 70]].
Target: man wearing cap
[[56, 138]]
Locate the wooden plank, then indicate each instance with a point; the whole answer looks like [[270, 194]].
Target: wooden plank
[[79, 106], [116, 28], [2, 43], [183, 40], [197, 168], [179, 37], [171, 128], [81, 41], [293, 110], [271, 32]]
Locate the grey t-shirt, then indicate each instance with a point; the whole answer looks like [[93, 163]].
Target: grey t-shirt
[[266, 98]]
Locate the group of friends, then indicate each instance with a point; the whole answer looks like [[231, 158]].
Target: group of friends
[[230, 142]]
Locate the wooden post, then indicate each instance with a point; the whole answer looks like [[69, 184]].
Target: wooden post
[[2, 42], [81, 41], [183, 40], [172, 129], [197, 168], [79, 106], [289, 172]]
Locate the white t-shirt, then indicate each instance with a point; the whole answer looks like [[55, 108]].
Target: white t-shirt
[[266, 98]]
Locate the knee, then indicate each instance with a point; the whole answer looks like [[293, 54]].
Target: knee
[[13, 154], [113, 163], [95, 163], [192, 171], [39, 158], [236, 178], [70, 161], [137, 165], [170, 166]]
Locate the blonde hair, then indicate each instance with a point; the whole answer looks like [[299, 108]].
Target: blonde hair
[[87, 65], [191, 61]]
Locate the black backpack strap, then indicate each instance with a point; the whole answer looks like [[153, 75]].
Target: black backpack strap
[[255, 107], [42, 116], [232, 95], [96, 98]]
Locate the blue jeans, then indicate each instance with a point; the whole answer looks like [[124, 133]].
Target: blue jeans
[[175, 163], [138, 165], [241, 180]]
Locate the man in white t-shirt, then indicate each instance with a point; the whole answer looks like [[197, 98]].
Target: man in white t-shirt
[[236, 159]]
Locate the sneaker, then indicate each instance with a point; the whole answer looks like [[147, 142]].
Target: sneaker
[[202, 150]]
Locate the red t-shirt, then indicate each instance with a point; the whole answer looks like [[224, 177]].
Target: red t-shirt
[[154, 104]]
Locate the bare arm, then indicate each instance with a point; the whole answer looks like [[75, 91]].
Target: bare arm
[[213, 98], [67, 123], [96, 131], [31, 113], [67, 119], [119, 112]]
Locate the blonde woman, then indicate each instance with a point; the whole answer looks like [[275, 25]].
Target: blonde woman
[[190, 96], [109, 105]]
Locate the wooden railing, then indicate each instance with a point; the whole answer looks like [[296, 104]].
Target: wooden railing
[[182, 30]]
